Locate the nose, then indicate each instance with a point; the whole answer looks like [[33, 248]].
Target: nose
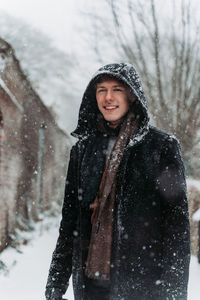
[[109, 96]]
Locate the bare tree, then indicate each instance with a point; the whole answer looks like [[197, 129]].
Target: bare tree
[[165, 50]]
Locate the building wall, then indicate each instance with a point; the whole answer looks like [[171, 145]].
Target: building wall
[[11, 164], [34, 152]]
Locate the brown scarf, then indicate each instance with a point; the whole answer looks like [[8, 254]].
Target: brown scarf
[[99, 255]]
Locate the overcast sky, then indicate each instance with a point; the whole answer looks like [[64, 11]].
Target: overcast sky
[[59, 19], [56, 18]]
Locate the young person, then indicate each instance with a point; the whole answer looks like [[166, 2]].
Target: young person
[[124, 232]]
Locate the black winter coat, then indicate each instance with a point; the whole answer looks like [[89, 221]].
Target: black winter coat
[[150, 251]]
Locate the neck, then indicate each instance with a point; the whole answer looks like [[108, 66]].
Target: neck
[[114, 124]]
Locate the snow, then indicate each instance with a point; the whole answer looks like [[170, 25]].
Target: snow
[[28, 267], [193, 182], [196, 215], [194, 288]]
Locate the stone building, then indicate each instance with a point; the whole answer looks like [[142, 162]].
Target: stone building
[[34, 151]]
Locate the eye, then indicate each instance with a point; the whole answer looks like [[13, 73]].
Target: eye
[[101, 91], [118, 90]]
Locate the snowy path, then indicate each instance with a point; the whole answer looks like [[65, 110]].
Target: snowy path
[[28, 270]]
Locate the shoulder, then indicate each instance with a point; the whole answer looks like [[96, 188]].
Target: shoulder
[[161, 136], [81, 144], [161, 142], [166, 146], [170, 149]]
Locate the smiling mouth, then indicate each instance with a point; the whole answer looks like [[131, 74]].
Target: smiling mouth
[[111, 107]]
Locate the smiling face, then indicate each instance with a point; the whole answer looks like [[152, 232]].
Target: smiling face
[[113, 100]]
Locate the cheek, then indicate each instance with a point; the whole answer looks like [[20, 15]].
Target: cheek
[[99, 101], [99, 104], [126, 106]]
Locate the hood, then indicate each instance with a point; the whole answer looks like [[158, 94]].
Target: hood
[[89, 110]]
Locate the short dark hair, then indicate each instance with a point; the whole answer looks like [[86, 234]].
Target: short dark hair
[[106, 77]]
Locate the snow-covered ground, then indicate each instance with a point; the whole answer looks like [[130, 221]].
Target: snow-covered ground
[[28, 268], [27, 271]]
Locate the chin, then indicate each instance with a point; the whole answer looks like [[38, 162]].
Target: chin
[[111, 120]]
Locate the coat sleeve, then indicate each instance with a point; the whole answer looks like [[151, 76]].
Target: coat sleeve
[[61, 264], [176, 232]]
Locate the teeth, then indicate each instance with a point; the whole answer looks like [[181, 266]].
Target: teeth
[[110, 107]]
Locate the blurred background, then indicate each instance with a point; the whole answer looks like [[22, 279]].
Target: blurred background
[[49, 50]]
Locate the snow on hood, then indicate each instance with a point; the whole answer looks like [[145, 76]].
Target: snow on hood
[[89, 109]]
